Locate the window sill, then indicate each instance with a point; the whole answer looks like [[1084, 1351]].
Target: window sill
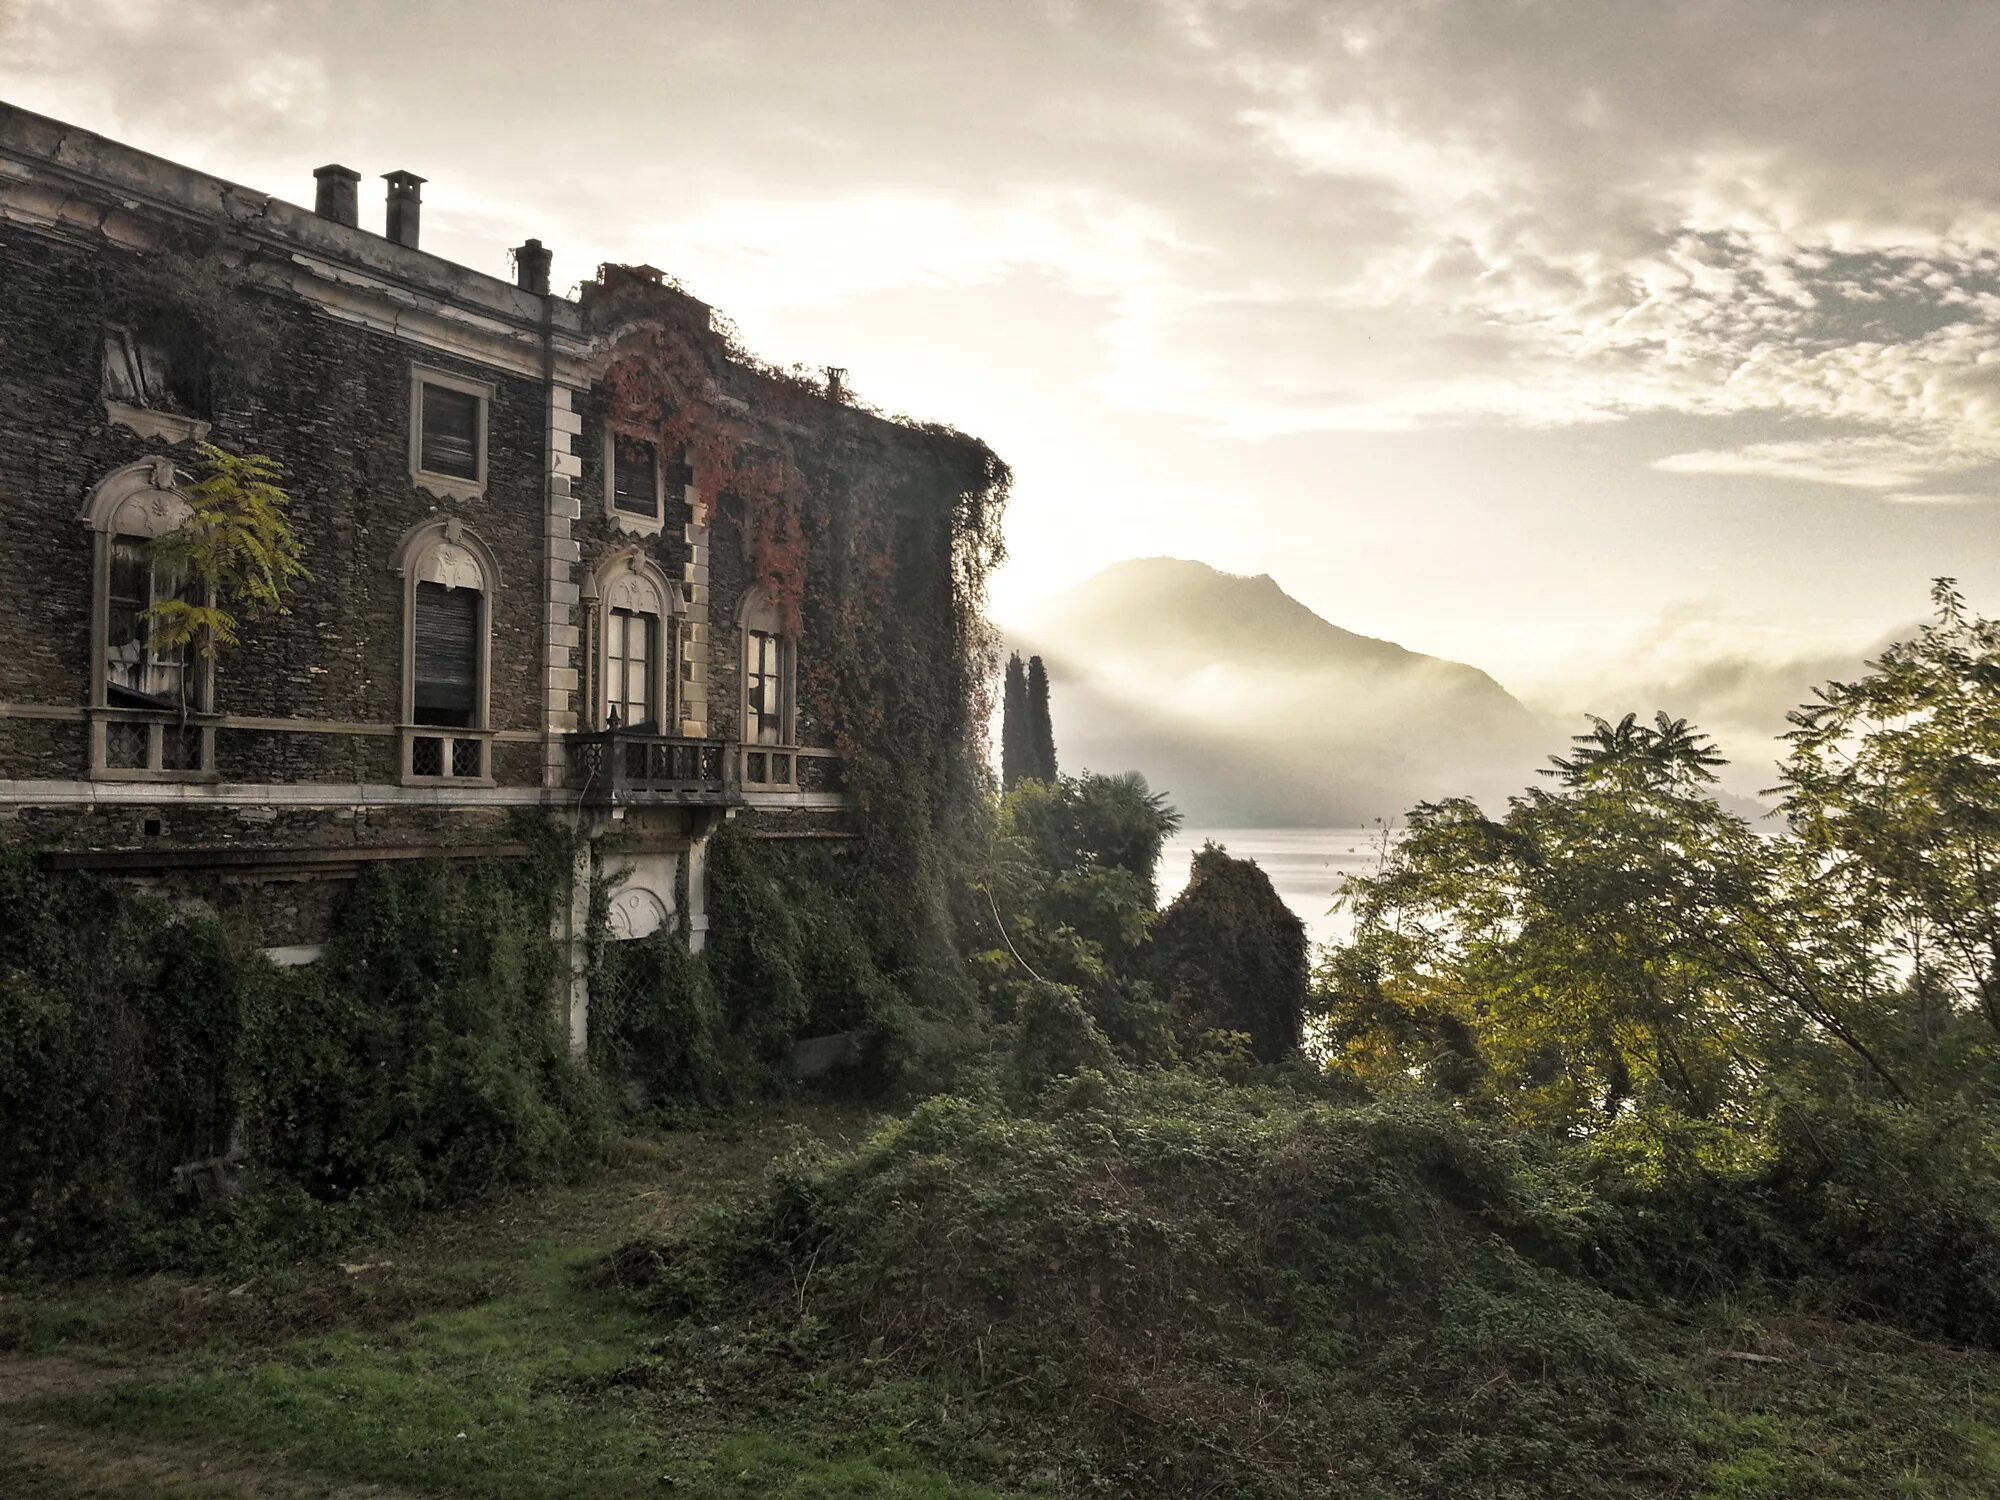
[[635, 525], [448, 486], [205, 778], [143, 421]]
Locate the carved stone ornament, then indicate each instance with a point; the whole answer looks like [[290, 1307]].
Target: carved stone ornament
[[452, 566], [634, 591], [137, 499], [635, 913]]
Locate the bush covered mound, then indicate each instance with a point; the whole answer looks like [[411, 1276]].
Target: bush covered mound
[[1178, 1287], [1204, 1290]]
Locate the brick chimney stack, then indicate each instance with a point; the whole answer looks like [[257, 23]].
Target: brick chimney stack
[[338, 197], [531, 268], [406, 201]]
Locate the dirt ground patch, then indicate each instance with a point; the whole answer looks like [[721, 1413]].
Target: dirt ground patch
[[40, 1459], [27, 1378]]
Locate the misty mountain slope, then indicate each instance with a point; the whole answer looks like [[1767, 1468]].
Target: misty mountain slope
[[1248, 708]]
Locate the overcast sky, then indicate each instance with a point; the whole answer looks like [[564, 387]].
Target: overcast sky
[[1583, 342]]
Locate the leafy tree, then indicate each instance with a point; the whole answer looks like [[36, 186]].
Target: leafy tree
[[237, 545], [1232, 957], [1069, 889], [1892, 787], [1015, 753], [1041, 731], [1619, 941]]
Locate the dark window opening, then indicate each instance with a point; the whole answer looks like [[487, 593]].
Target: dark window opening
[[158, 372], [635, 484], [451, 433], [137, 674], [445, 656]]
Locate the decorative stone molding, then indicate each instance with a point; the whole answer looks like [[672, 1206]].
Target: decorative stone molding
[[144, 422], [695, 621], [137, 499], [635, 913], [630, 580], [451, 554]]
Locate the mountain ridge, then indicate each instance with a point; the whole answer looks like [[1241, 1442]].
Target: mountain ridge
[[1250, 707]]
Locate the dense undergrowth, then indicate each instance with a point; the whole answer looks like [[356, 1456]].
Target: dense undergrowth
[[1192, 1288], [419, 1063]]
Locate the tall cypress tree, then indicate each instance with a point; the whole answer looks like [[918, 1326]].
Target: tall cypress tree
[[1041, 733], [1015, 740]]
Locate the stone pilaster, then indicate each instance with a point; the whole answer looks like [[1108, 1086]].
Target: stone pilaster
[[695, 624], [560, 675]]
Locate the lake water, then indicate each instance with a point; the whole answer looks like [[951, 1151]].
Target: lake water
[[1305, 864]]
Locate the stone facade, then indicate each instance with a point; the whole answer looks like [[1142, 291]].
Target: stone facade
[[310, 771]]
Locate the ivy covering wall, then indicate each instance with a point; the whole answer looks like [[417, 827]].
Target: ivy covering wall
[[152, 1059]]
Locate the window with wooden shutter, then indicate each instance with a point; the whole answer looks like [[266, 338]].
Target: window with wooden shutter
[[636, 480], [445, 655], [451, 432]]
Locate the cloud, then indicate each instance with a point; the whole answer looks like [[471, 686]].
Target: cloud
[[1855, 463], [1294, 215], [1945, 499]]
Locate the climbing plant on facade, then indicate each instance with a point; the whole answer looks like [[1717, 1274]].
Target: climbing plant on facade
[[236, 547]]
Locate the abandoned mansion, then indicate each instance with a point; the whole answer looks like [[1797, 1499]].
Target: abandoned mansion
[[571, 555]]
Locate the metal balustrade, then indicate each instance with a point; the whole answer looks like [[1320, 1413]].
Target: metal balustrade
[[621, 765]]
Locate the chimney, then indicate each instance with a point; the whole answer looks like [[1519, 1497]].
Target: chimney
[[531, 268], [406, 201], [337, 198]]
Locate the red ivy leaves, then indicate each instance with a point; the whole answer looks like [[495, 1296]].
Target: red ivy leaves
[[660, 391]]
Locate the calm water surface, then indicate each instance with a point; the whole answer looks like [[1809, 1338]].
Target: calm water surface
[[1305, 864]]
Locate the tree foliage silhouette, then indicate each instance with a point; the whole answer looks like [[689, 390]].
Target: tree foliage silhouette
[[1041, 732], [1015, 755]]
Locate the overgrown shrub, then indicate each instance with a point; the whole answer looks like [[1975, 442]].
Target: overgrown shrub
[[1054, 1038], [426, 1057], [1206, 1290], [124, 1050], [422, 1060], [1865, 1212], [1232, 958], [656, 1023], [805, 942]]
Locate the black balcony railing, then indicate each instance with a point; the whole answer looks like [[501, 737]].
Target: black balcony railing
[[621, 765]]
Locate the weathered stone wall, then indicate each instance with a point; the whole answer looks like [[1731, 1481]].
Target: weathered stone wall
[[335, 411]]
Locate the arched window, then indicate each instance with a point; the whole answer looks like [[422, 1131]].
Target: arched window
[[638, 606], [147, 703], [769, 665], [449, 579]]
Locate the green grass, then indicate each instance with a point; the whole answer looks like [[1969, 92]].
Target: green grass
[[475, 1358], [469, 1359]]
